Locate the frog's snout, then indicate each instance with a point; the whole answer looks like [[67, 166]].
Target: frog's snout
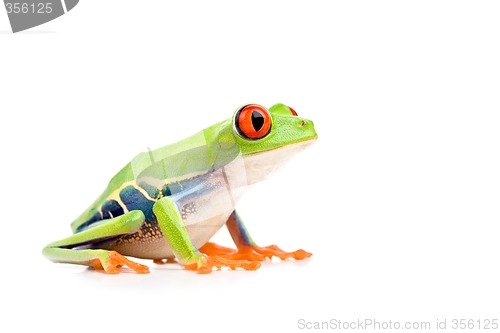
[[302, 122], [307, 127]]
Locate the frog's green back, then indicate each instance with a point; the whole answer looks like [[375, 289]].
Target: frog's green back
[[207, 149]]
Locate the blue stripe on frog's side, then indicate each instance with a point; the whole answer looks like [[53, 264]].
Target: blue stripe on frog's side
[[110, 209], [95, 218], [165, 191], [151, 190], [135, 200]]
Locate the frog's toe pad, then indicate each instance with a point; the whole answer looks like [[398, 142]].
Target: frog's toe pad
[[205, 264], [113, 261]]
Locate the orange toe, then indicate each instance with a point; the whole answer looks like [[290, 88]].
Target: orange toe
[[255, 252], [274, 251], [205, 264], [247, 253], [212, 249], [115, 261]]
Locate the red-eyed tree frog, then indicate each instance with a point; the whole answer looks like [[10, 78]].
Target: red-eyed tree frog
[[166, 204]]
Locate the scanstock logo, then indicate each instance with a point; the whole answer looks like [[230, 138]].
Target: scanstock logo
[[25, 14]]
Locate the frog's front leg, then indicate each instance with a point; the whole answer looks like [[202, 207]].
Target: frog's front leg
[[247, 248], [66, 250], [172, 226]]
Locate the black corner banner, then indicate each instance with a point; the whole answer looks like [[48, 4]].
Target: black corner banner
[[25, 14]]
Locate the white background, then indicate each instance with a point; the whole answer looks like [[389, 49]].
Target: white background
[[398, 200]]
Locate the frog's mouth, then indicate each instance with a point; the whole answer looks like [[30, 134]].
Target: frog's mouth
[[259, 165], [291, 148]]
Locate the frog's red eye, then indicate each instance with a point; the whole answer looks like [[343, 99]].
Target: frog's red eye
[[253, 121], [293, 111]]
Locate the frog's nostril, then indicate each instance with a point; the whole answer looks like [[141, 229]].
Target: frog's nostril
[[303, 123]]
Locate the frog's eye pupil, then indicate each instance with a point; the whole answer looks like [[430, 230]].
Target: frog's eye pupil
[[257, 120], [253, 121]]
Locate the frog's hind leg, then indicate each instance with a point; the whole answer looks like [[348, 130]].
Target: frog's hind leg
[[247, 248], [67, 250], [172, 226]]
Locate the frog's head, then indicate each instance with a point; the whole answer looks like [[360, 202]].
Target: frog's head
[[266, 139], [259, 131]]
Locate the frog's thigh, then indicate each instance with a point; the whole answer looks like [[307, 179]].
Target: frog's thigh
[[64, 251]]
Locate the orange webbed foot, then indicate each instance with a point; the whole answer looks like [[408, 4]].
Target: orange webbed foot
[[275, 251], [253, 253], [113, 263], [204, 264]]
